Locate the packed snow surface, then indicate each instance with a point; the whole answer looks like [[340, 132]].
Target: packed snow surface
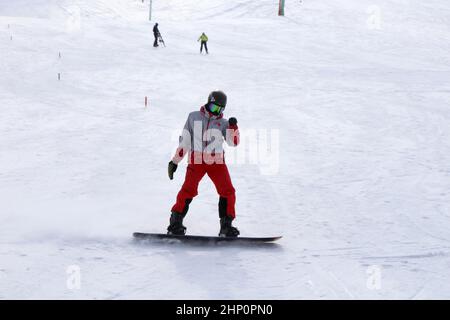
[[351, 96]]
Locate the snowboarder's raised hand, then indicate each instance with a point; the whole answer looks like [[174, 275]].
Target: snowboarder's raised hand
[[171, 169], [232, 136]]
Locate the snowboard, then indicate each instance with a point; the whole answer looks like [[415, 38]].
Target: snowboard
[[204, 239]]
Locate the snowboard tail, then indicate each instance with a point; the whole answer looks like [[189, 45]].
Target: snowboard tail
[[195, 238]]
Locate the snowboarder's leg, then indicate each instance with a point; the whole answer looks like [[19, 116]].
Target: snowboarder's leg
[[155, 43], [194, 173], [221, 178], [206, 48], [201, 47]]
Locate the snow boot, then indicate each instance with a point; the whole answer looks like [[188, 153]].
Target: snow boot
[[226, 229], [176, 224]]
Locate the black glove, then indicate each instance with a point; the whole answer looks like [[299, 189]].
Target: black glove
[[171, 169], [232, 121]]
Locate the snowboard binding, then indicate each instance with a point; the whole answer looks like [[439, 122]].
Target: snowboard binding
[[226, 229], [176, 224]]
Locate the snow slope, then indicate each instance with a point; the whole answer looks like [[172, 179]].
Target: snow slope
[[358, 185]]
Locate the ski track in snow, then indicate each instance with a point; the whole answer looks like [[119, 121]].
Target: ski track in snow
[[363, 179]]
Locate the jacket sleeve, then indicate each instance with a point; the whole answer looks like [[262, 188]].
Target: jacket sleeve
[[232, 136], [184, 145]]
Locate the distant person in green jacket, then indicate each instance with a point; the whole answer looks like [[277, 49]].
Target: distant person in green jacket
[[204, 40]]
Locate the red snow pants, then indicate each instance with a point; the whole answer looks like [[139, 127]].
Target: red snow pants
[[218, 173]]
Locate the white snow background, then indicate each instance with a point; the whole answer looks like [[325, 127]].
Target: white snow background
[[358, 91]]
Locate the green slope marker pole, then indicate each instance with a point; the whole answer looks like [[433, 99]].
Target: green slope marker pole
[[281, 8], [150, 11]]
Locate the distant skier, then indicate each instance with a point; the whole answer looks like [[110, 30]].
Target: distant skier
[[203, 137], [156, 34], [204, 39]]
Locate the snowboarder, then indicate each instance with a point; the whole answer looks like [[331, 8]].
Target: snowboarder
[[156, 34], [204, 39], [203, 137]]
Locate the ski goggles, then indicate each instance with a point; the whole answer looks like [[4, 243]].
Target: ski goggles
[[215, 108]]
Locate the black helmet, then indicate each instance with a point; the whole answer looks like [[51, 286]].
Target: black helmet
[[218, 97], [217, 100]]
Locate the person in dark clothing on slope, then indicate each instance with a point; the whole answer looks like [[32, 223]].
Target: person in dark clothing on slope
[[156, 34]]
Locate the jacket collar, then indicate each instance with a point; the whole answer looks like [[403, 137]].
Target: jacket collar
[[209, 115]]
